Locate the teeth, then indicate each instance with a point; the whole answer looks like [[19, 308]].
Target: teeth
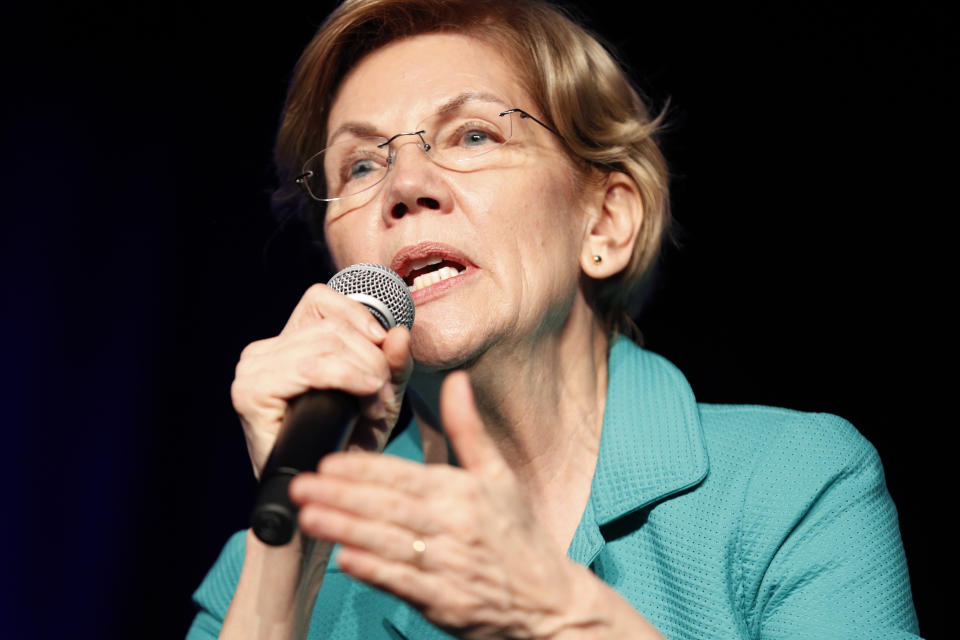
[[427, 279], [424, 262]]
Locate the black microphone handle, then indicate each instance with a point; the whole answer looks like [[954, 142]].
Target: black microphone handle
[[317, 423]]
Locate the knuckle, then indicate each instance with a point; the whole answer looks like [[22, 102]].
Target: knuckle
[[254, 348], [327, 342], [238, 391], [319, 339], [394, 506], [347, 528], [333, 324], [245, 367], [241, 395], [327, 371], [316, 292], [309, 366], [461, 523], [312, 306]]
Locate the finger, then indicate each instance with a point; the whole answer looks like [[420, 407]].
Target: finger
[[335, 338], [370, 502], [442, 599], [399, 361], [474, 447], [302, 360], [337, 373], [331, 355], [321, 360], [384, 539], [320, 301], [403, 579], [396, 349], [267, 385], [387, 470], [391, 362]]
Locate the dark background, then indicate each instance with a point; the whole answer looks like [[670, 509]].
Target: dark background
[[809, 148]]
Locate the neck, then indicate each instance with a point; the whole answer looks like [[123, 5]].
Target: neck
[[542, 401]]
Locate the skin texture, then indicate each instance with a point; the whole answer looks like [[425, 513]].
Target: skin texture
[[524, 424], [505, 221], [329, 342]]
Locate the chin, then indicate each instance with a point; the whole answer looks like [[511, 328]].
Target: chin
[[443, 346]]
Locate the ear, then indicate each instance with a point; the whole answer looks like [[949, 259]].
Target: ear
[[613, 224]]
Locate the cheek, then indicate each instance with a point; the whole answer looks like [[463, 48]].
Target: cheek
[[348, 244], [549, 241], [337, 252], [556, 219]]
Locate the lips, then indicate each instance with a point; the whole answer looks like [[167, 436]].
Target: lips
[[428, 263]]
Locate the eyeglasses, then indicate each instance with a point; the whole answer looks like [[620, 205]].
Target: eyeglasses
[[474, 135]]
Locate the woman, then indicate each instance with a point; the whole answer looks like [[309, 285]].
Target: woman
[[495, 156]]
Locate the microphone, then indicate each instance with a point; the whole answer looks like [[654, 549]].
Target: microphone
[[320, 421]]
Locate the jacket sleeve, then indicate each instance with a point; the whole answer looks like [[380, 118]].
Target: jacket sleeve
[[820, 543], [212, 598]]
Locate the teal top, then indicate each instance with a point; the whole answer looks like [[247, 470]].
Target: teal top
[[713, 521]]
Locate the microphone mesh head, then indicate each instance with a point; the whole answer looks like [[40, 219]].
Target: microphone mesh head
[[380, 289]]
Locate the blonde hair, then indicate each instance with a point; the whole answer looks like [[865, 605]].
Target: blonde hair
[[576, 83]]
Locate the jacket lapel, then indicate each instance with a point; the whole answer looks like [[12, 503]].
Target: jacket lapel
[[651, 446]]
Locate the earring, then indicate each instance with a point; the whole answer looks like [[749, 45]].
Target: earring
[[597, 259]]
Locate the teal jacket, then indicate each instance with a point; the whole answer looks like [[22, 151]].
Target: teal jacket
[[713, 521]]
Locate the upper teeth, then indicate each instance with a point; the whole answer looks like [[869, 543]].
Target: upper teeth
[[433, 277], [424, 262]]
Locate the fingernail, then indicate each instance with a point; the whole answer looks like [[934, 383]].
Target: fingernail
[[296, 489], [373, 381], [309, 517], [377, 330]]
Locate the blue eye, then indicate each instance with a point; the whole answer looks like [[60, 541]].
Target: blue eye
[[361, 168], [476, 138]]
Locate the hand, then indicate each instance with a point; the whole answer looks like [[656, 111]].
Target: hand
[[329, 342], [461, 545]]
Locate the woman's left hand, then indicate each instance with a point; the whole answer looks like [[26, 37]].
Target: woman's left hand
[[460, 544]]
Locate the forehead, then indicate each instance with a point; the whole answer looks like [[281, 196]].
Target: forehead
[[398, 84]]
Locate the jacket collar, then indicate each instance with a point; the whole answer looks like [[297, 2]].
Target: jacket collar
[[651, 446]]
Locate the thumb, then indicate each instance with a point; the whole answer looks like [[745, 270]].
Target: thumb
[[474, 447], [396, 348]]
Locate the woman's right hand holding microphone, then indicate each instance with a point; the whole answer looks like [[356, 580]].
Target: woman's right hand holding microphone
[[329, 342]]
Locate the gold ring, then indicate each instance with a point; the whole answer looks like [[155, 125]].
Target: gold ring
[[419, 547]]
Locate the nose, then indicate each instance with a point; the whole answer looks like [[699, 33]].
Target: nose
[[414, 183]]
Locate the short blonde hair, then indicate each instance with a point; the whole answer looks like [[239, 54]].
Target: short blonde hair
[[576, 83]]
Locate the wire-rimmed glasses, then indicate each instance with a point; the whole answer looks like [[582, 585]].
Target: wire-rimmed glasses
[[469, 136]]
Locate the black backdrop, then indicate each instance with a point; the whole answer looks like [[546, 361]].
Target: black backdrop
[[809, 153]]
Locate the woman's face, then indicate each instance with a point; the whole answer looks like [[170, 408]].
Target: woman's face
[[511, 230]]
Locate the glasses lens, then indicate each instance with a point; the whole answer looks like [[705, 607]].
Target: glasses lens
[[348, 167], [466, 136], [472, 135]]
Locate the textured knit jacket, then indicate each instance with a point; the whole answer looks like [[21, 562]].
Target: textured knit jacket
[[713, 521]]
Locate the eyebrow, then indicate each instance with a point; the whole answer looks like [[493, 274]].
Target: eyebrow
[[367, 129], [471, 96]]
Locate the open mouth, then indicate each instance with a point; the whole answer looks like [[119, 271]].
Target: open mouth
[[429, 271]]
